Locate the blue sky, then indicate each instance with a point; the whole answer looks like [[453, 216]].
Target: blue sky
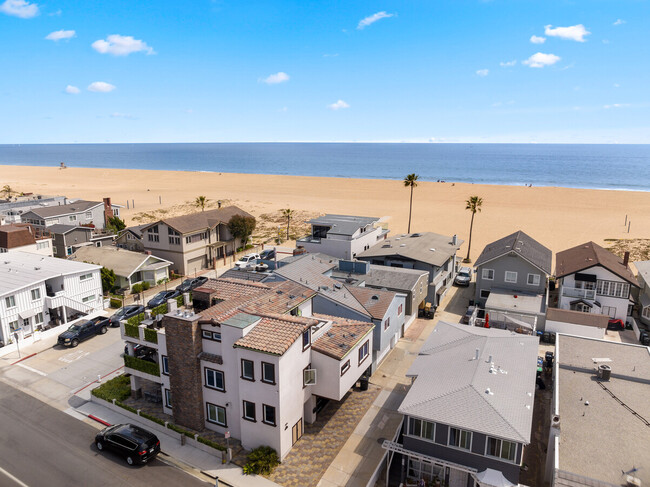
[[299, 70]]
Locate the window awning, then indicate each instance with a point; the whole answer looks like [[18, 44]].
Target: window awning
[[585, 277], [27, 314], [586, 303]]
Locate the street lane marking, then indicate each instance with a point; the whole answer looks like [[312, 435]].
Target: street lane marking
[[71, 357], [31, 369], [18, 481]]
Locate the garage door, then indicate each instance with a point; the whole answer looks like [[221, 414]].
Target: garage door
[[196, 264]]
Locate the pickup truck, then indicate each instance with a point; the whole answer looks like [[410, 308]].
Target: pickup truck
[[82, 331]]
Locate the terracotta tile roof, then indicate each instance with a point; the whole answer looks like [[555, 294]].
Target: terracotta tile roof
[[12, 236], [281, 299], [341, 337], [275, 333], [376, 302], [224, 310], [228, 288], [201, 220], [589, 255]]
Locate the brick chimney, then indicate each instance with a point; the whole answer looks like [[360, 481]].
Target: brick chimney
[[108, 210], [626, 259]]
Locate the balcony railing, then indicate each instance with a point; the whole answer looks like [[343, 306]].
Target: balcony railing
[[145, 366], [575, 292], [309, 239]]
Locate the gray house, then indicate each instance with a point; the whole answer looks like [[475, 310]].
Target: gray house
[[131, 238], [469, 412], [81, 212], [68, 238], [426, 251]]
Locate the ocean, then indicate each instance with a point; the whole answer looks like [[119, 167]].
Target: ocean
[[620, 167]]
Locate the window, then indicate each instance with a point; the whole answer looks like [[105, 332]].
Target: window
[[72, 218], [485, 293], [168, 398], [420, 428], [174, 237], [152, 234], [26, 323], [583, 308], [268, 414], [308, 376], [306, 339], [533, 279], [614, 289], [36, 294], [510, 276], [38, 319], [501, 449], [165, 364], [249, 411], [386, 324], [247, 369], [460, 438], [216, 414], [364, 351], [214, 379], [646, 312], [211, 335], [89, 214], [54, 250], [345, 367], [13, 325], [85, 277], [268, 373], [487, 274], [399, 309], [43, 244], [88, 299], [10, 301]]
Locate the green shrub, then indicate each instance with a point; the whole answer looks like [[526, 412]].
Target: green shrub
[[115, 303], [262, 460], [145, 285], [131, 330], [180, 301], [118, 388], [136, 320], [211, 443], [173, 275], [141, 365], [150, 335], [136, 288], [180, 430], [162, 281], [152, 418], [159, 310], [128, 408]]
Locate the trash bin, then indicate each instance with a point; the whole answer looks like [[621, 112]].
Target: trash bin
[[363, 383]]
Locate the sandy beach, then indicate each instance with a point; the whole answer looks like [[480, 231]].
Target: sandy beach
[[557, 217]]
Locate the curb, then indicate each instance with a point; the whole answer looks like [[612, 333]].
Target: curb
[[24, 358], [99, 420], [97, 380], [216, 477]]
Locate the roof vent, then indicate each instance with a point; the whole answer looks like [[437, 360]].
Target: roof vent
[[476, 354], [489, 392], [402, 245], [279, 291], [432, 250], [375, 297], [291, 296], [37, 268], [337, 286], [398, 238], [415, 235]]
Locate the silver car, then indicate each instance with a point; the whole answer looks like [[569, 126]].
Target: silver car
[[464, 276]]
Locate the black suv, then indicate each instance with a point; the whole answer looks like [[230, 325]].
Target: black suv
[[126, 313], [82, 331], [189, 284], [162, 297], [135, 444]]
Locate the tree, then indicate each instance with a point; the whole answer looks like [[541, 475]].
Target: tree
[[200, 202], [242, 227], [108, 279], [115, 224], [288, 214], [6, 189], [474, 204], [411, 181]]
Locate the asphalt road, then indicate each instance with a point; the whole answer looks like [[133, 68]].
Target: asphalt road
[[43, 446]]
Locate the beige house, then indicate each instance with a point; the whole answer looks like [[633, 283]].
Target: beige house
[[193, 242]]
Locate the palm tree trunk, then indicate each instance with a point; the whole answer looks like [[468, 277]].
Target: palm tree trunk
[[469, 245], [288, 223], [410, 210]]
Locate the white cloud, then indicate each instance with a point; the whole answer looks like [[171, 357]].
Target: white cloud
[[539, 60], [19, 8], [508, 64], [128, 116], [101, 87], [572, 33], [363, 23], [616, 105], [616, 85], [57, 35], [118, 45], [619, 22], [338, 105], [72, 90], [331, 55], [537, 39], [276, 78], [483, 72]]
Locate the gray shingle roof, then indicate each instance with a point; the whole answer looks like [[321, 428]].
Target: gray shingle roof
[[76, 207], [525, 246], [381, 276], [202, 220], [123, 262], [343, 224], [432, 248], [63, 229], [643, 268], [455, 389]]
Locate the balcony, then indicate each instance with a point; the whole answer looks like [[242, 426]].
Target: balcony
[[575, 292], [142, 368], [143, 334], [309, 239]]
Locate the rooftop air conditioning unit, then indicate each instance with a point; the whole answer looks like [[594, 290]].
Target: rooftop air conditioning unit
[[604, 372]]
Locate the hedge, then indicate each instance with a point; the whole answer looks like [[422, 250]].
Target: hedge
[[180, 430], [211, 443], [150, 335], [128, 408], [131, 330], [115, 303], [136, 320], [141, 365], [152, 418], [159, 310], [118, 388]]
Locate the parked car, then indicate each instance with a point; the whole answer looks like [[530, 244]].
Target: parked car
[[126, 313], [135, 444], [101, 320], [80, 332], [268, 254], [615, 324], [644, 338], [192, 283], [468, 315], [162, 297], [247, 261], [463, 277]]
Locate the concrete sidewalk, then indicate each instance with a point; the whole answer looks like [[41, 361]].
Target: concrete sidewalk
[[193, 457]]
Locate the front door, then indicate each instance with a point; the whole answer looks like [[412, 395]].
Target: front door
[[296, 432]]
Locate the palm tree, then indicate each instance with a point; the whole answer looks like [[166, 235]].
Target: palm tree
[[474, 204], [6, 189], [411, 180], [200, 202], [288, 214]]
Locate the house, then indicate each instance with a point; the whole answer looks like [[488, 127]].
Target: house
[[422, 251], [87, 213], [129, 267], [131, 238], [11, 209], [37, 292], [247, 366], [68, 238], [342, 236], [385, 309], [599, 414], [643, 276], [193, 242], [22, 237], [469, 411], [588, 325], [594, 280]]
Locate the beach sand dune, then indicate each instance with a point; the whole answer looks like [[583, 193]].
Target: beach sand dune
[[557, 217]]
